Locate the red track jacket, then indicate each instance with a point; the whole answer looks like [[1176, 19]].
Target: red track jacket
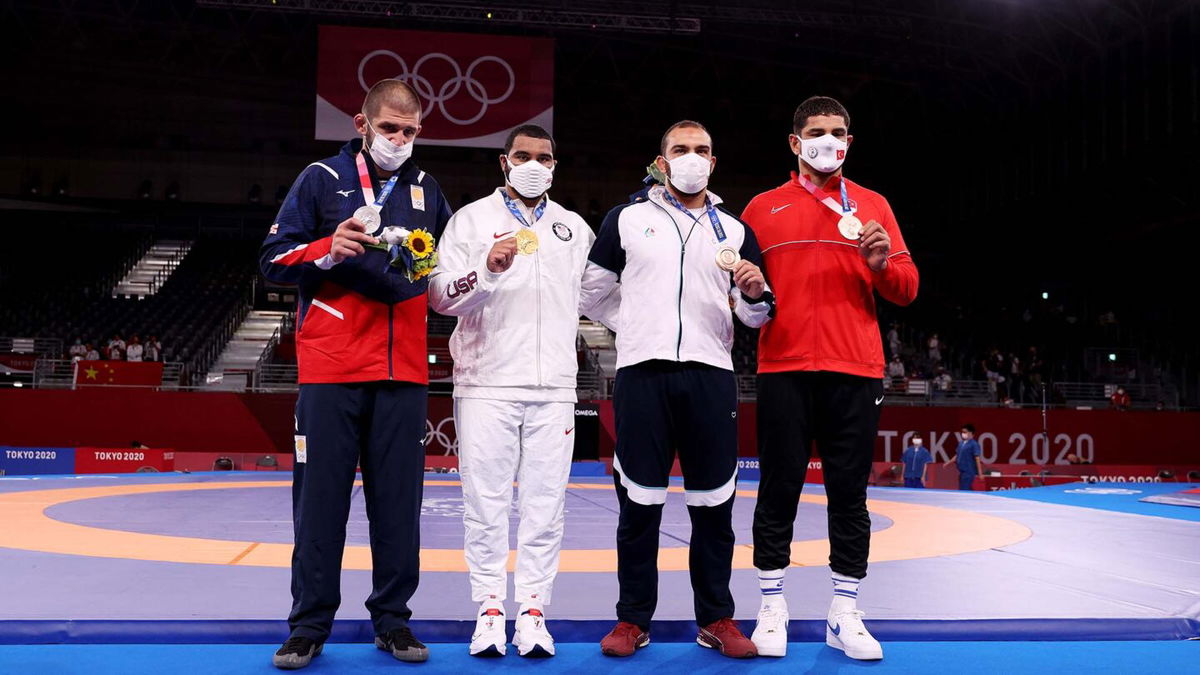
[[824, 292]]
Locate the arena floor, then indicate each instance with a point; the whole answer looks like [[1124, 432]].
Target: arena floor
[[167, 566]]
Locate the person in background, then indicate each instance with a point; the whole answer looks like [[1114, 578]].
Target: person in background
[[967, 458], [153, 349], [1120, 399], [135, 350], [78, 350], [916, 460], [91, 354]]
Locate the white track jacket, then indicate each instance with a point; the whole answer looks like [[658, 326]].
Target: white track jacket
[[516, 332], [675, 300]]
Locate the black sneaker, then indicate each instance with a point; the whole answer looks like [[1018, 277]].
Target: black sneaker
[[401, 643], [296, 653]]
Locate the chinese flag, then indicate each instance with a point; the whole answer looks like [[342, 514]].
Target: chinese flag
[[143, 374]]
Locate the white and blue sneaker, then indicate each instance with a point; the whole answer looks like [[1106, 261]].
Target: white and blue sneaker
[[770, 633], [489, 638], [844, 630], [531, 637]]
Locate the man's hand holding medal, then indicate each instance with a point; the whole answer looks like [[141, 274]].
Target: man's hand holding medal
[[875, 245]]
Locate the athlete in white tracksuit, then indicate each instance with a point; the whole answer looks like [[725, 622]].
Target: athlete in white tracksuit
[[515, 366]]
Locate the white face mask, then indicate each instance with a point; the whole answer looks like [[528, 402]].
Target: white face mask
[[689, 173], [825, 153], [386, 154], [531, 179]]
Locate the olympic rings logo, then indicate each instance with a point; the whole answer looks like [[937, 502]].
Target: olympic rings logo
[[450, 88], [439, 435]]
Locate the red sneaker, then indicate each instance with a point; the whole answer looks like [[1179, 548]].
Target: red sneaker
[[624, 640], [725, 636]]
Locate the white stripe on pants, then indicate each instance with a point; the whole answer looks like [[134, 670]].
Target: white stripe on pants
[[500, 441]]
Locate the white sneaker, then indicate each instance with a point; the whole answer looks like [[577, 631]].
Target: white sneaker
[[531, 637], [489, 638], [771, 633], [845, 631]]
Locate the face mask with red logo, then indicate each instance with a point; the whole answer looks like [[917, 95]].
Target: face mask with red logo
[[825, 153]]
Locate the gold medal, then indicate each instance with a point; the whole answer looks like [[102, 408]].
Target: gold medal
[[727, 258], [850, 227], [527, 241]]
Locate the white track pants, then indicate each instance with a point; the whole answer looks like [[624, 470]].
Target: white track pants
[[499, 441]]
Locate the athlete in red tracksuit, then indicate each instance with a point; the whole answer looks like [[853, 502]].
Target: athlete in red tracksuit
[[361, 348], [828, 246]]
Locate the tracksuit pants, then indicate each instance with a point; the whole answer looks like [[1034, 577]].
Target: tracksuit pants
[[663, 407], [913, 482], [380, 426], [503, 441], [840, 414], [966, 481]]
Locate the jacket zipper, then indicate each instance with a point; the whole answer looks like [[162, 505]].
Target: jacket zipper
[[391, 310], [537, 284], [679, 302]]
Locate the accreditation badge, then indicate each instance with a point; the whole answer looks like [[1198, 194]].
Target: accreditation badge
[[418, 197]]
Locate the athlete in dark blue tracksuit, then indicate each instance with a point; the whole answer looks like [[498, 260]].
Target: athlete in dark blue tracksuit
[[363, 373]]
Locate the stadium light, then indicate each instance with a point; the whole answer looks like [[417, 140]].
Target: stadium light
[[1112, 356], [1045, 295]]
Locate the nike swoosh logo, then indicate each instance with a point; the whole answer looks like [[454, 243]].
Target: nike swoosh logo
[[836, 630], [345, 193], [777, 209], [568, 431], [879, 400], [502, 234]]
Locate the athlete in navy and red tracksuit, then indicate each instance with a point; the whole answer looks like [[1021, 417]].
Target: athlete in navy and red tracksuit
[[361, 347]]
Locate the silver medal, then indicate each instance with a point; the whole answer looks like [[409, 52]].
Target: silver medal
[[727, 258], [368, 215]]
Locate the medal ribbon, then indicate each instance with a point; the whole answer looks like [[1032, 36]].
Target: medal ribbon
[[512, 208], [364, 181], [708, 206], [844, 208]]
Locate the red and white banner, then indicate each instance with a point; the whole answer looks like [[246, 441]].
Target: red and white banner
[[17, 363], [474, 88], [123, 460], [131, 373]]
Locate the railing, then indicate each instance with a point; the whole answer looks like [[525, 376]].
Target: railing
[[275, 377], [47, 346]]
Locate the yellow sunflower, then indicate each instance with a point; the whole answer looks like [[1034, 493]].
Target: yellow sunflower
[[420, 244]]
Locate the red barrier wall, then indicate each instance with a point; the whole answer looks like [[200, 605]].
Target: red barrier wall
[[258, 424]]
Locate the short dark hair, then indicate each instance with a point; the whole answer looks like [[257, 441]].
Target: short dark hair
[[817, 105], [394, 93], [681, 124], [530, 130], [969, 427]]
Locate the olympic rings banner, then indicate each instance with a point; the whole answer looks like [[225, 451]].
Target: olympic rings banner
[[474, 88]]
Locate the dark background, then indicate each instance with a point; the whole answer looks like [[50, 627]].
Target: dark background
[[1026, 147]]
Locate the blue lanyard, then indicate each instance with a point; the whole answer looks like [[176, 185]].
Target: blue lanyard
[[708, 205], [846, 208], [386, 191], [512, 208]]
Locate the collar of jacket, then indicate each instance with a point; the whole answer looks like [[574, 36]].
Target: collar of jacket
[[658, 195]]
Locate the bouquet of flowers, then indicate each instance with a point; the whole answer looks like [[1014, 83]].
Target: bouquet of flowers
[[411, 252]]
